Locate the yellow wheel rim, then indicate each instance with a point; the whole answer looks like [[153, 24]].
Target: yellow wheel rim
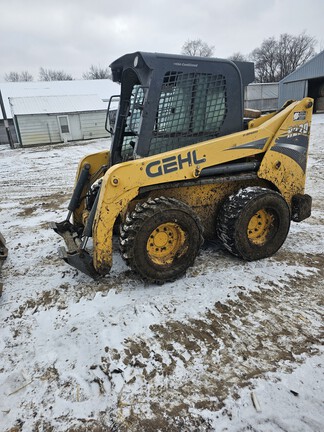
[[165, 243], [259, 227]]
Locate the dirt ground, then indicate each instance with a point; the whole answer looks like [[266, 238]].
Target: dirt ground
[[120, 355]]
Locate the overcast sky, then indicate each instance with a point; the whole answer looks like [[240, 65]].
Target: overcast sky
[[71, 35]]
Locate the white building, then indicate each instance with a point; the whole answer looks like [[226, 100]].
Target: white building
[[39, 111], [54, 119]]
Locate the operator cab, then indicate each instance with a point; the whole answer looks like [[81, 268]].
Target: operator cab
[[170, 101]]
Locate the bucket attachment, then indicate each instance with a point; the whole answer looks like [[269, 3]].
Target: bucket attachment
[[74, 254]]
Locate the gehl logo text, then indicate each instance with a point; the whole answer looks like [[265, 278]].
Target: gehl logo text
[[172, 163]]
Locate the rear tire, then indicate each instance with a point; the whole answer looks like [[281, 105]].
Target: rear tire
[[254, 223], [160, 239]]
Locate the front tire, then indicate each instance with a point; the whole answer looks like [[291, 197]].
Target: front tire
[[160, 239], [254, 223]]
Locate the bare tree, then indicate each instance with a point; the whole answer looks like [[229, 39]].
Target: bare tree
[[198, 48], [294, 51], [26, 76], [97, 72], [53, 75], [16, 76], [276, 59], [237, 56], [12, 77], [266, 61]]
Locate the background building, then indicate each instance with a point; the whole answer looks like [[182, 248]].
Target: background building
[[54, 119], [307, 80], [261, 96], [27, 97]]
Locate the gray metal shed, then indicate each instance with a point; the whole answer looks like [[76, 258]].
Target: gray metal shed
[[307, 80], [54, 119]]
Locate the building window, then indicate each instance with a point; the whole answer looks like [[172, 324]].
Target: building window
[[64, 124]]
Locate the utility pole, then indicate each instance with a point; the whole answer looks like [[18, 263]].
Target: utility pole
[[6, 123]]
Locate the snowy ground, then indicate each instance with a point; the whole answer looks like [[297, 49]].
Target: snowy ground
[[233, 346]]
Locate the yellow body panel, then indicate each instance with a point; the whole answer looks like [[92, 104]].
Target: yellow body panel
[[121, 183]]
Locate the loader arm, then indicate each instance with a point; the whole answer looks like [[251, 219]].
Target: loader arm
[[97, 163]]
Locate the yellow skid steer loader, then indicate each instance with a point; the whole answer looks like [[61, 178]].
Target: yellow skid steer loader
[[186, 165]]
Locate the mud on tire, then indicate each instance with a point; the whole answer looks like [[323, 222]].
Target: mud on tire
[[160, 239], [254, 223]]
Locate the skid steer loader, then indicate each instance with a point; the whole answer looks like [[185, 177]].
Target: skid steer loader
[[184, 166]]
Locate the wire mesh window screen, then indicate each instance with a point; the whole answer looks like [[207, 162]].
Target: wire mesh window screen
[[192, 108]]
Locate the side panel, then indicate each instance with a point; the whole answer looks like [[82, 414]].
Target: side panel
[[38, 129], [93, 125], [3, 133], [75, 127], [295, 90]]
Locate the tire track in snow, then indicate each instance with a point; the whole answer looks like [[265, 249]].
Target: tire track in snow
[[193, 366]]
